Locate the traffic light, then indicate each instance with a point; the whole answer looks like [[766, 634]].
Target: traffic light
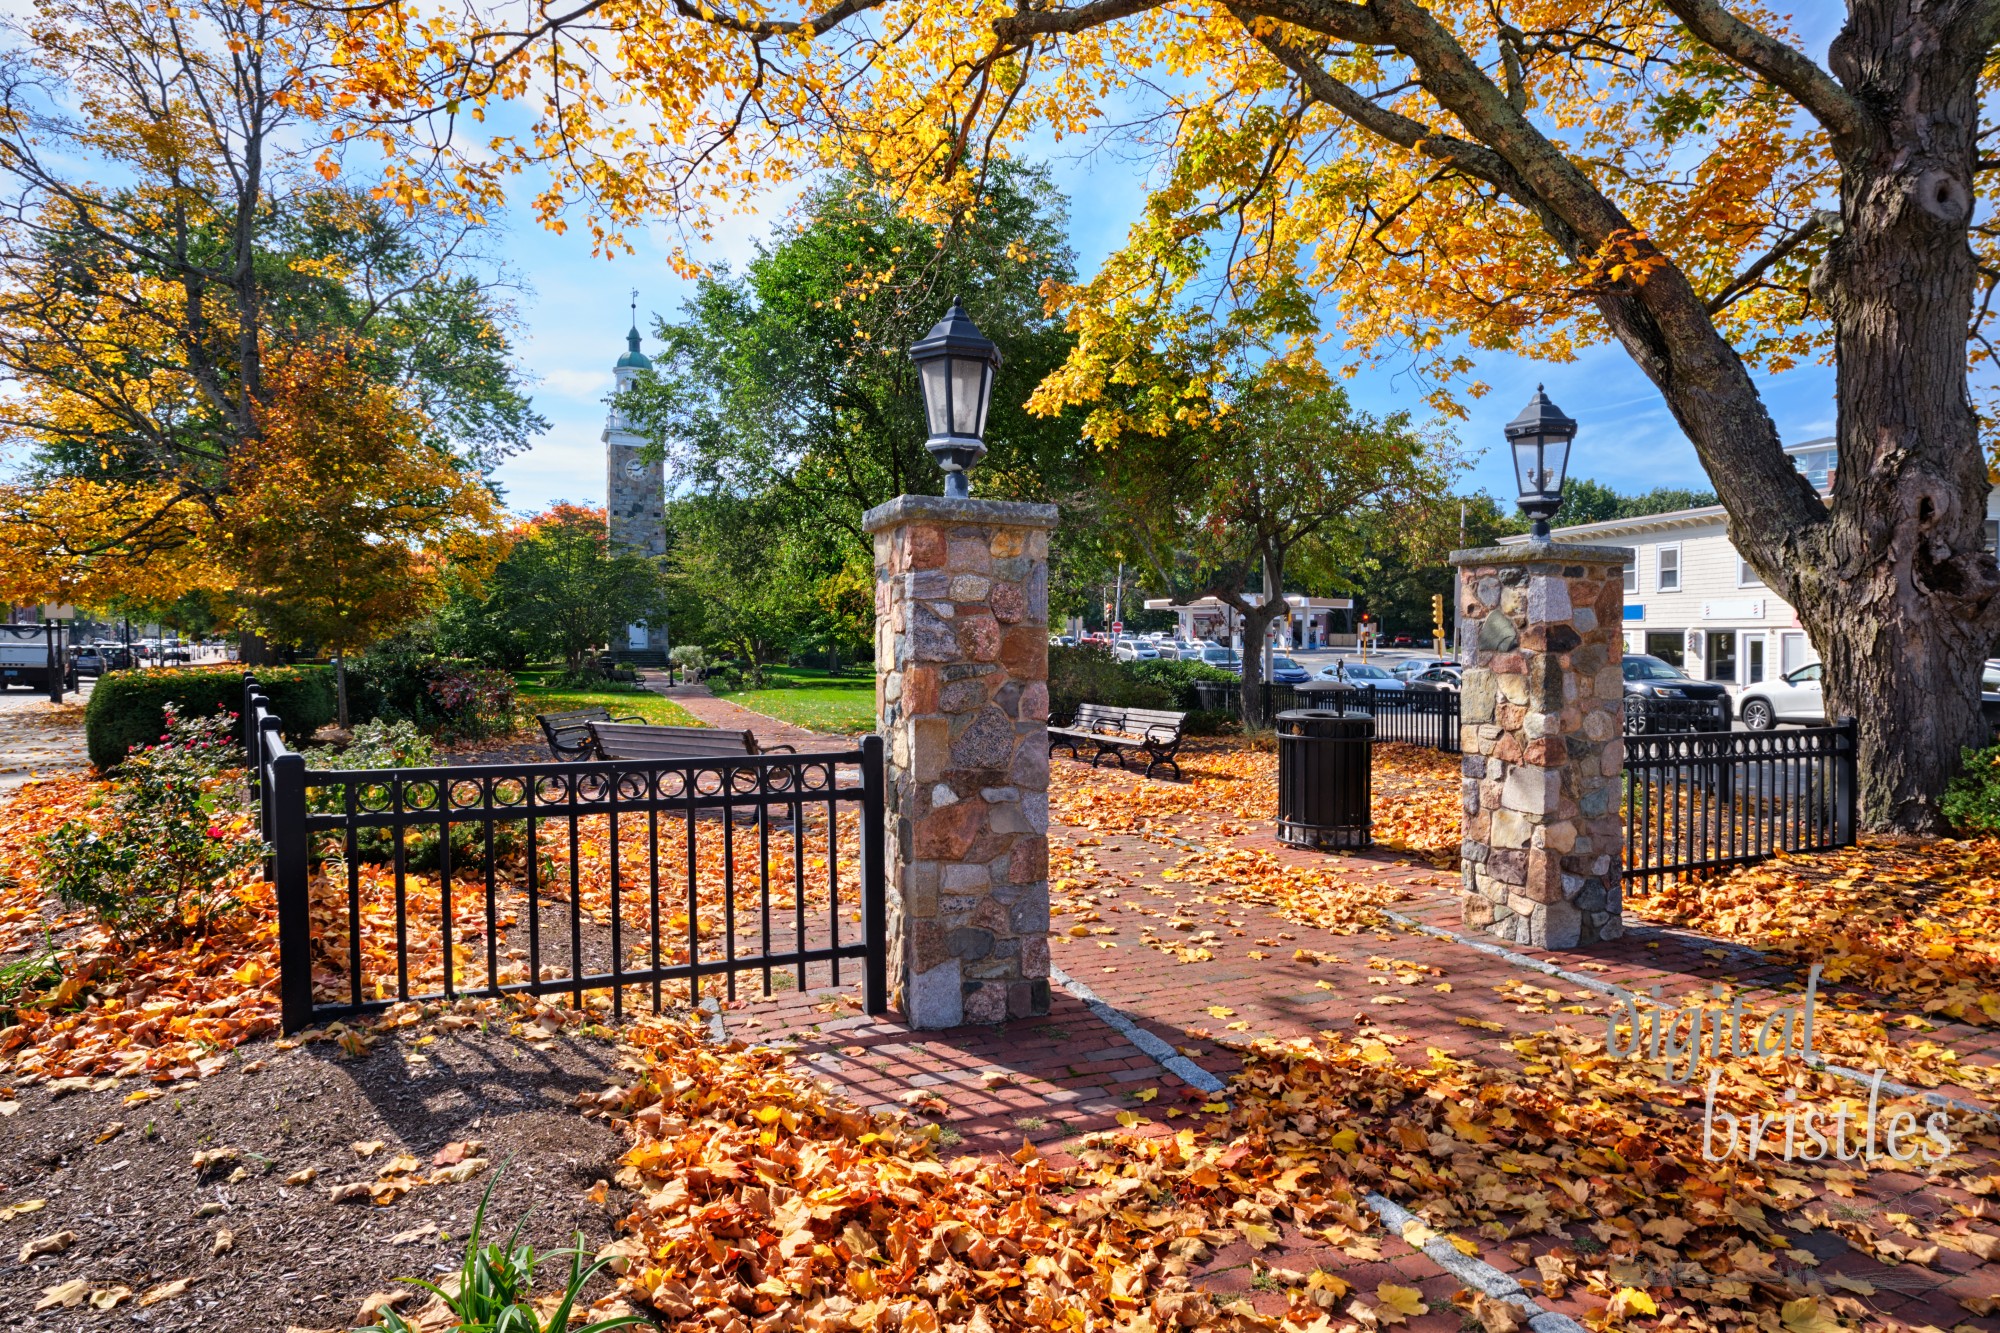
[[1437, 617]]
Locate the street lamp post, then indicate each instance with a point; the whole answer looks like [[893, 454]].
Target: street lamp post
[[1540, 438], [955, 365]]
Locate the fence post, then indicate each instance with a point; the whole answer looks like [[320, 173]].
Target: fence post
[[1845, 786], [287, 832], [874, 879]]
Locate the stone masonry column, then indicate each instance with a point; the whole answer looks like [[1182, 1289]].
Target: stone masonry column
[[1541, 713], [962, 700]]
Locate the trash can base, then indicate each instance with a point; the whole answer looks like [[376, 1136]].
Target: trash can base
[[1324, 838]]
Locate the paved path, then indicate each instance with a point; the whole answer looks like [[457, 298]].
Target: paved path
[[714, 712], [38, 738]]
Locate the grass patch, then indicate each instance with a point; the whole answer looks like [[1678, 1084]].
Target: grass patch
[[538, 695], [836, 703]]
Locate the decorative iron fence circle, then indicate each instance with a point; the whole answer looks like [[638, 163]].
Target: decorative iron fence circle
[[593, 788], [373, 797], [707, 781], [509, 791], [553, 789], [634, 786], [466, 793], [421, 795]]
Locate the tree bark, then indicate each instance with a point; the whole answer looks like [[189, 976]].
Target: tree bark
[[1898, 588], [1257, 618]]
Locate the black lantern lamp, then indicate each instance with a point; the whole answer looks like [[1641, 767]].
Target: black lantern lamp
[[955, 365], [1540, 439]]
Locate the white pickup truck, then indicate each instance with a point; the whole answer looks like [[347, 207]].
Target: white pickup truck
[[25, 657]]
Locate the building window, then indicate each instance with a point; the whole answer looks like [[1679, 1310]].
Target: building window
[[1670, 569], [1746, 577], [1667, 645], [1753, 658], [1631, 579], [1722, 654], [1795, 653]]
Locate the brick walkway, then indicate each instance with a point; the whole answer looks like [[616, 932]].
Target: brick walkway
[[713, 712], [1050, 1080]]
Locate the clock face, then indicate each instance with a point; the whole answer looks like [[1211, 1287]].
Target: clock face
[[634, 468]]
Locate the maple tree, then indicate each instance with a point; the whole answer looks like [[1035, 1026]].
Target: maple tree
[[563, 588], [174, 273], [1536, 175], [1268, 473]]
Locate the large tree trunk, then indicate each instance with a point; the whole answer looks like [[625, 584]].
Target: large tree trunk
[[1899, 590], [1257, 618]]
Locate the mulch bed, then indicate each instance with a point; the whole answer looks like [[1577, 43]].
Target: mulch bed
[[143, 1216]]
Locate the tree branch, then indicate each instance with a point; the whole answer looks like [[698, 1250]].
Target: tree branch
[[1742, 281], [1843, 116]]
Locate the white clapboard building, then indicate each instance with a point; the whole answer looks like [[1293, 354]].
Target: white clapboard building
[[1690, 598]]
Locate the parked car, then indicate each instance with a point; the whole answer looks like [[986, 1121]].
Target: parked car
[[1799, 697], [1360, 673], [1216, 655], [1438, 678], [1402, 641], [1135, 650], [87, 662], [1062, 641], [1659, 696], [1412, 667], [1284, 671]]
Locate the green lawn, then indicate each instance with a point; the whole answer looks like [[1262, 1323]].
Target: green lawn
[[537, 696], [840, 704]]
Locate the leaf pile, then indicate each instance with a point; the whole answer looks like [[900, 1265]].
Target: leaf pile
[[1916, 921], [164, 1011]]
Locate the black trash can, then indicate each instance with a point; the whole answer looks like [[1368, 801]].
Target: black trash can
[[1325, 779]]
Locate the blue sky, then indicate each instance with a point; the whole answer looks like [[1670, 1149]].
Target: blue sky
[[575, 316]]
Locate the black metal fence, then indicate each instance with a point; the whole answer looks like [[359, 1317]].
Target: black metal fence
[[1703, 801], [1413, 717], [544, 878]]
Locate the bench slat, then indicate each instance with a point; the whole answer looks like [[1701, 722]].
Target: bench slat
[[619, 740]]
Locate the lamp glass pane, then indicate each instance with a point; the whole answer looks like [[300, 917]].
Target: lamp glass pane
[[936, 379], [1555, 461], [1527, 464], [966, 373], [985, 396]]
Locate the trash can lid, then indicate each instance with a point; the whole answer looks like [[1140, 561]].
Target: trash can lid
[[1325, 723]]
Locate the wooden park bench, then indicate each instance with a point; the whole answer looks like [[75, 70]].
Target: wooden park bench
[[1152, 732], [569, 733], [622, 740]]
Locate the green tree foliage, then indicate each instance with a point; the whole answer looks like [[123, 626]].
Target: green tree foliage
[[1587, 501], [786, 403], [1273, 475], [563, 591]]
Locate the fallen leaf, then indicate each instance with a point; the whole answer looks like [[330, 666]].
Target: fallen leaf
[[166, 1291], [53, 1243]]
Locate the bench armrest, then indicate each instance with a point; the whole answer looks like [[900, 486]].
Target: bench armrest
[[629, 718], [777, 749], [1163, 731]]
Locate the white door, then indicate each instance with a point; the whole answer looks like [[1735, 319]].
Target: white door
[[635, 636]]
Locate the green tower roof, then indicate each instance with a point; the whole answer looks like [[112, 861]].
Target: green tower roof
[[634, 358]]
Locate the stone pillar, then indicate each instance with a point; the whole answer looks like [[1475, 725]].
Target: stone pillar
[[1541, 711], [962, 700]]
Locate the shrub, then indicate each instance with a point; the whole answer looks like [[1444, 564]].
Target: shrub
[[128, 709], [1972, 799], [401, 680], [1080, 676], [691, 658], [723, 679], [1181, 678], [163, 862], [396, 745]]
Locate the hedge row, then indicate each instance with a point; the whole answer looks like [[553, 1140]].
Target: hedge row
[[1092, 676], [127, 709]]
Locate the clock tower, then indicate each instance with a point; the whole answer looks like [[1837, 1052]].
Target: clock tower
[[634, 489]]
